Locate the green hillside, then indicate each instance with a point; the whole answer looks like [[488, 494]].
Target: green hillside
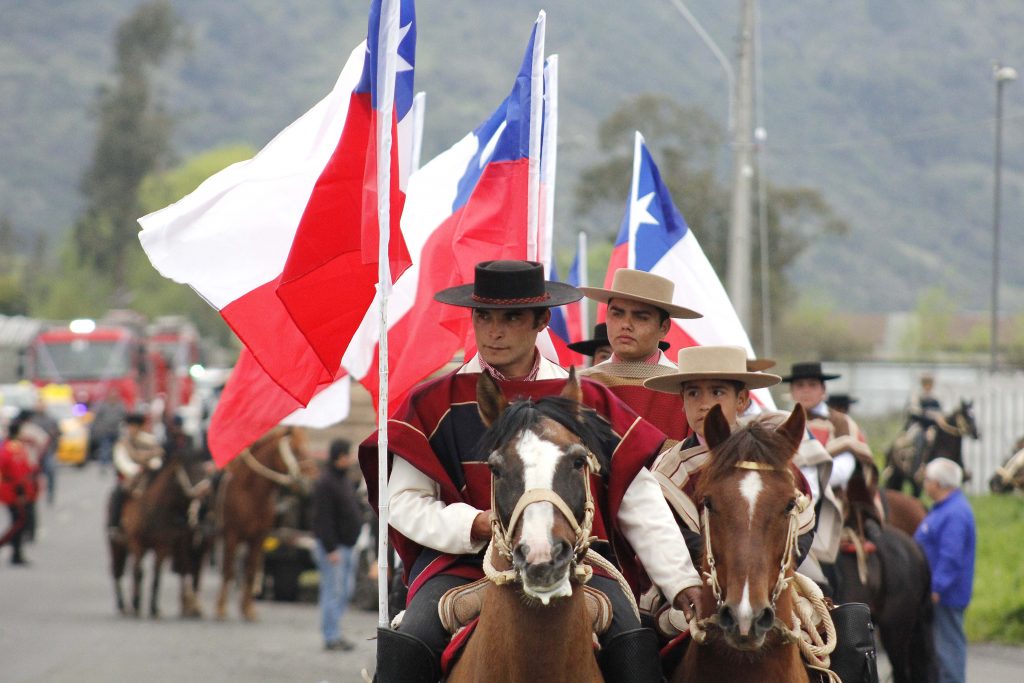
[[886, 106]]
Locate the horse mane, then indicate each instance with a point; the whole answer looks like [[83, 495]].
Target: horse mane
[[524, 414], [757, 442]]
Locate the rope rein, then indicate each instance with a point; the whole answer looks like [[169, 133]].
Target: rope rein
[[282, 478]]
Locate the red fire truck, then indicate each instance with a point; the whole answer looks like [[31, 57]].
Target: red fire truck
[[117, 355]]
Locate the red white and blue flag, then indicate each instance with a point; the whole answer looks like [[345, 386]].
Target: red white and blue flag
[[468, 204], [283, 226], [654, 237]]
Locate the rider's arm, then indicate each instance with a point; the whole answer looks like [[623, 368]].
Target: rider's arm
[[843, 465], [123, 462], [419, 514], [647, 523]]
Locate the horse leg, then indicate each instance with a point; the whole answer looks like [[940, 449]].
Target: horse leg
[[154, 594], [253, 563], [227, 570], [118, 560], [136, 582]]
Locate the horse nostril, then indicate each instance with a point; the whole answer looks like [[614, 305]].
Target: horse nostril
[[519, 553], [562, 552], [725, 618], [764, 621]]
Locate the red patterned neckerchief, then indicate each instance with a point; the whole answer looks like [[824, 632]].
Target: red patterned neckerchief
[[531, 376]]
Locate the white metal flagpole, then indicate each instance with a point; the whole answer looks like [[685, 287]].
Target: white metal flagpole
[[536, 112], [419, 103], [387, 57], [549, 160], [634, 196], [581, 254]]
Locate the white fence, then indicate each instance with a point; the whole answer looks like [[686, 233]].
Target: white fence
[[998, 403]]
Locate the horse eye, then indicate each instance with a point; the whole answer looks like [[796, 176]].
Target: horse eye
[[790, 505], [707, 504], [494, 465], [579, 462]]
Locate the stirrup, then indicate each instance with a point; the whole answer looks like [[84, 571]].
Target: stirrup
[[402, 658], [631, 657]]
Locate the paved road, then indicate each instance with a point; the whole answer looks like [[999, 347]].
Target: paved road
[[57, 621]]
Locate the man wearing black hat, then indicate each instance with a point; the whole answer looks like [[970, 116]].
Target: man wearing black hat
[[439, 484], [640, 308], [598, 347], [841, 436]]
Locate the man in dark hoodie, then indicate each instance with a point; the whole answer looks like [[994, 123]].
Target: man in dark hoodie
[[337, 520]]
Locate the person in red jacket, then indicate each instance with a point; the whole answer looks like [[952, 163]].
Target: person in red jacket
[[17, 488]]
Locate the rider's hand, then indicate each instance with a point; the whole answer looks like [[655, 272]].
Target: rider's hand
[[334, 557], [688, 601], [481, 530]]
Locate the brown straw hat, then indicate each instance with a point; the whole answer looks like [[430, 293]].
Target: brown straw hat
[[712, 362], [639, 285]]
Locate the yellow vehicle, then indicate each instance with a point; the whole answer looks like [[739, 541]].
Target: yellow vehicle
[[73, 446]]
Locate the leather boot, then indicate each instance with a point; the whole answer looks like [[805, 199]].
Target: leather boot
[[631, 657], [402, 658], [854, 658]]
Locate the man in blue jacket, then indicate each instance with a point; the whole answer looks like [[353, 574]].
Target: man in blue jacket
[[948, 536]]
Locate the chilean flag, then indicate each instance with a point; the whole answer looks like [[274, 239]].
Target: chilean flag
[[234, 238], [655, 238], [468, 204], [250, 229]]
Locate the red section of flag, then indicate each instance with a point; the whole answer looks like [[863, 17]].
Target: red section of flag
[[276, 344], [251, 405], [491, 225], [329, 280]]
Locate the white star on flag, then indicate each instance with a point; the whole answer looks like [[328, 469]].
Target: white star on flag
[[639, 215]]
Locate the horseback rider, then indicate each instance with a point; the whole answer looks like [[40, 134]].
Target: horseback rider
[[640, 308], [923, 412], [723, 376], [135, 453], [439, 485]]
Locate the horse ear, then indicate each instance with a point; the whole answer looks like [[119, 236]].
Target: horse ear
[[716, 427], [572, 389], [795, 427], [489, 399]]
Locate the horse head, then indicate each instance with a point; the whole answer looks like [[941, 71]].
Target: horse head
[[749, 511], [541, 455], [964, 420]]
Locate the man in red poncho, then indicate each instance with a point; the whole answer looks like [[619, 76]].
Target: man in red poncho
[[439, 484], [17, 488]]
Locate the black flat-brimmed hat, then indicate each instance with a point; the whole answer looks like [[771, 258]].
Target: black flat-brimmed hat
[[509, 284], [841, 401], [588, 346], [808, 371]]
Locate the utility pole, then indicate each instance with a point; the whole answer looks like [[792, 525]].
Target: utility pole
[[738, 271], [1002, 75]]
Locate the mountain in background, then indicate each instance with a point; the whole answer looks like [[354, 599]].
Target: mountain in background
[[885, 106]]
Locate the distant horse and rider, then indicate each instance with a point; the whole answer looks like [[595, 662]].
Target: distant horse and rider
[[923, 441], [158, 518]]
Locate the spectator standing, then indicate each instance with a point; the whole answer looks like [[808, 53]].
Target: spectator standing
[[48, 458], [106, 426], [17, 488], [337, 520], [947, 535]]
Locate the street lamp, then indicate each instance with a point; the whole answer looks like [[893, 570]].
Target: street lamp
[[1002, 75]]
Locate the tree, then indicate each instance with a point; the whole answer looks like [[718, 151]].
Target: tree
[[133, 140], [687, 145]]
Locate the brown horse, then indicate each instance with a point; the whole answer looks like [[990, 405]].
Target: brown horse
[[748, 505], [245, 507], [156, 520], [534, 624], [902, 511]]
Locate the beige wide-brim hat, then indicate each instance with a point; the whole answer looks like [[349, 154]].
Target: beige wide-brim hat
[[713, 362], [639, 285]]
